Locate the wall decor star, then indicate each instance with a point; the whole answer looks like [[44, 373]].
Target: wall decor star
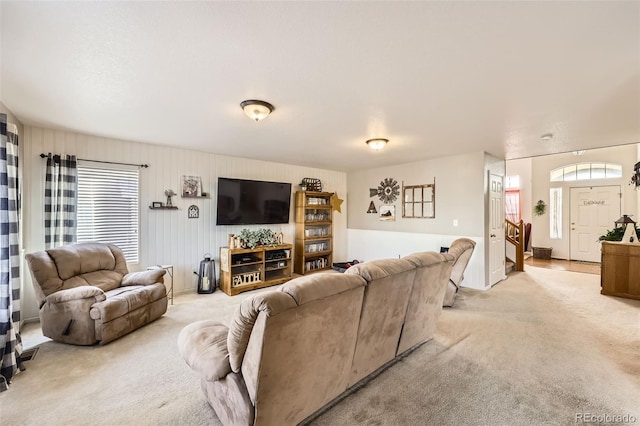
[[337, 203]]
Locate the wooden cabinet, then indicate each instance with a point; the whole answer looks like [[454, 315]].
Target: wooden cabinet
[[620, 274], [248, 269], [314, 231]]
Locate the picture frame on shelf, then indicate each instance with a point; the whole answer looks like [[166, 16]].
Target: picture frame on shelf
[[156, 204], [191, 186]]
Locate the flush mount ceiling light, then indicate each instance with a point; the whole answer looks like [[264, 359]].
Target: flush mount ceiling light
[[547, 136], [377, 143], [256, 110]]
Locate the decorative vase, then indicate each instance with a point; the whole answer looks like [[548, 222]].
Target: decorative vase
[[232, 241]]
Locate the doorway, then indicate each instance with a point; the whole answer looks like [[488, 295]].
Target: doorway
[[594, 209]]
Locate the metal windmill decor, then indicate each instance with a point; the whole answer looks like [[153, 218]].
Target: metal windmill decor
[[388, 190]]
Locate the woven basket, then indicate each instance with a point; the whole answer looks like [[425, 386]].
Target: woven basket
[[313, 184], [542, 252]]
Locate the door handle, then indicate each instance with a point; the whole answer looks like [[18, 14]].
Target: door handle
[[573, 229], [493, 235]]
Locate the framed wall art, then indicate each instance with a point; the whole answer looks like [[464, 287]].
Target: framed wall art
[[191, 186], [387, 213]]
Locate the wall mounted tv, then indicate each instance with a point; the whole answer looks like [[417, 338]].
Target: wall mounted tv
[[252, 202]]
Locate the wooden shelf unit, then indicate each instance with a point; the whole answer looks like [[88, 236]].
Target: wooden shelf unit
[[248, 269], [314, 231]]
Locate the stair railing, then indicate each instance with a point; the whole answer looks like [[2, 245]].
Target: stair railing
[[514, 233]]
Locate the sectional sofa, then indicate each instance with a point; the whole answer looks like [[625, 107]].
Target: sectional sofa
[[289, 352]]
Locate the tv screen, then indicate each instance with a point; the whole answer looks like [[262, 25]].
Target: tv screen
[[252, 202]]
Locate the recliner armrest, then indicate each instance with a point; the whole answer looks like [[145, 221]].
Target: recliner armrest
[[203, 345], [150, 277], [76, 293]]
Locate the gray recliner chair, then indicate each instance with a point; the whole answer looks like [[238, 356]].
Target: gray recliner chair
[[461, 249], [87, 295]]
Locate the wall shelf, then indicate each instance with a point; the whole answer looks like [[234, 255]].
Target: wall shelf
[[164, 208]]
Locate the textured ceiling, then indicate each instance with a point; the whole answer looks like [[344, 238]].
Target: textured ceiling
[[435, 78]]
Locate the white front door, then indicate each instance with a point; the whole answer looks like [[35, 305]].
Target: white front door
[[594, 209], [496, 229]]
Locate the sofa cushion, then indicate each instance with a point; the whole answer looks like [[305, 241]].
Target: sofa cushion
[[203, 345], [428, 258], [318, 286], [382, 268], [105, 280], [79, 259], [126, 299], [244, 318], [144, 277]]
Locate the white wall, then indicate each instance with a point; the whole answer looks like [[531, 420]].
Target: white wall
[[166, 236], [542, 166], [522, 168], [459, 195]]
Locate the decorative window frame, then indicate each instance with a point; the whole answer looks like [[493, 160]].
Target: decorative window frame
[[423, 196]]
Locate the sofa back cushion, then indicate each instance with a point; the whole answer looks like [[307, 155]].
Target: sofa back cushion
[[300, 347], [427, 294], [60, 268], [461, 249], [389, 283]]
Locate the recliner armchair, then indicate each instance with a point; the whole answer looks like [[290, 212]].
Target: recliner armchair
[[461, 249], [87, 295]]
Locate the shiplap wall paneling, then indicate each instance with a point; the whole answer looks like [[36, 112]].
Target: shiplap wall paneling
[[166, 236]]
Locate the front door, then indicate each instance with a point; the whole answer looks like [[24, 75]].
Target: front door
[[496, 229], [594, 209]]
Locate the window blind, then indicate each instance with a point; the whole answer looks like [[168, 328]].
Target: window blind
[[108, 201]]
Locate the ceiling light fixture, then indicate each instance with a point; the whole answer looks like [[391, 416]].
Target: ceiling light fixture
[[547, 136], [256, 110], [377, 143]]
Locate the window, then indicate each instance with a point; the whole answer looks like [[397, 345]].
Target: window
[[512, 205], [108, 208], [586, 171], [555, 213]]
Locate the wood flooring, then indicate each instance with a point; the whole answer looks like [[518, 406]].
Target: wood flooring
[[565, 265]]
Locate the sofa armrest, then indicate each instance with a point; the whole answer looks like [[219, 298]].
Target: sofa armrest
[[76, 293], [144, 277], [203, 345]]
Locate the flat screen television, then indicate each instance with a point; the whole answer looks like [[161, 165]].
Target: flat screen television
[[252, 202]]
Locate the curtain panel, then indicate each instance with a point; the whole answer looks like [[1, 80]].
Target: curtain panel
[[10, 343], [60, 200]]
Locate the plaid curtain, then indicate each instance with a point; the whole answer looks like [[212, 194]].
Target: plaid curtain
[[10, 343], [60, 200]]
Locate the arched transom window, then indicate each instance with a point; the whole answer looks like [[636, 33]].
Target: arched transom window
[[586, 171]]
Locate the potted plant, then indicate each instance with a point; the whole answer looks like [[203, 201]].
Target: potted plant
[[540, 208], [260, 237], [303, 185]]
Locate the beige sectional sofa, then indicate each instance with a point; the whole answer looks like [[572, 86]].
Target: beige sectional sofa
[[87, 295], [291, 351]]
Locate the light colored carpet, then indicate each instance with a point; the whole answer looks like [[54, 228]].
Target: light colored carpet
[[538, 348]]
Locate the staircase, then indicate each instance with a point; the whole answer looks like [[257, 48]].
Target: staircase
[[508, 266], [514, 234]]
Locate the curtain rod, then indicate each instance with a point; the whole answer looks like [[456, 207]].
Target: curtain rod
[[144, 166]]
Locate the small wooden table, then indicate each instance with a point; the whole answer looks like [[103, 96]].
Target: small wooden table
[[620, 275]]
